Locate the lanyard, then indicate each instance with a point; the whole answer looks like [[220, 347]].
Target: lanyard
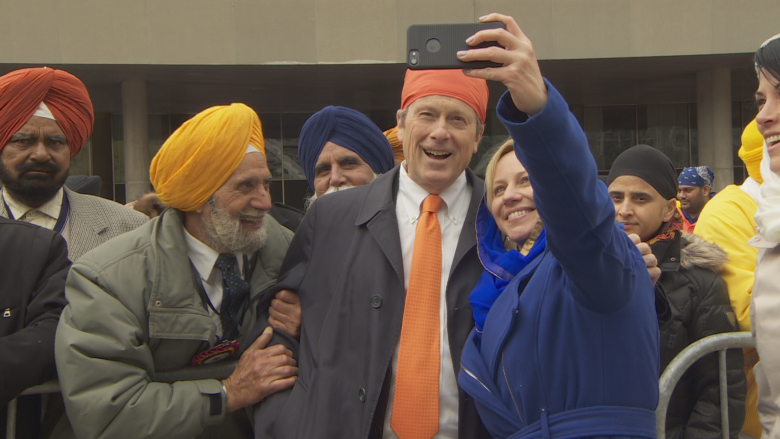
[[61, 219], [204, 297]]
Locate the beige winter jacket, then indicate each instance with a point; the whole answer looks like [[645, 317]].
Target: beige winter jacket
[[134, 311]]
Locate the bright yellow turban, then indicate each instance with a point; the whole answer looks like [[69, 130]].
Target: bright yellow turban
[[752, 150], [202, 154]]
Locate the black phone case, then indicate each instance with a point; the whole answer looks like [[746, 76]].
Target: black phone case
[[451, 39]]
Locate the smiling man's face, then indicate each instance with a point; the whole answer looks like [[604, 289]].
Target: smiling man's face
[[35, 162], [440, 136], [640, 207]]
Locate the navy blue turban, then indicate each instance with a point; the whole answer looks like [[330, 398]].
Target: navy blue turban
[[696, 176], [346, 128]]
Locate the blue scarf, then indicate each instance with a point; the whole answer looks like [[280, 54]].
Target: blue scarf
[[501, 266]]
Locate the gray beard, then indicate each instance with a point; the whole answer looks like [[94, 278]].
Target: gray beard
[[226, 232]]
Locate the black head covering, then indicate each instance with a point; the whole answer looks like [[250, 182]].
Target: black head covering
[[82, 184], [649, 164]]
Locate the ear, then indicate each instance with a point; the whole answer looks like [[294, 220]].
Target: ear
[[479, 139], [671, 206], [706, 190], [399, 121]]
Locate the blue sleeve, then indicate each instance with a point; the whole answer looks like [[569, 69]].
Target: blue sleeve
[[601, 264]]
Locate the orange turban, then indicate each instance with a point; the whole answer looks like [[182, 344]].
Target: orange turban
[[203, 153], [450, 83], [22, 91], [752, 150], [395, 143]]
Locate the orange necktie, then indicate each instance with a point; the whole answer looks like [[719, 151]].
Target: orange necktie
[[416, 402]]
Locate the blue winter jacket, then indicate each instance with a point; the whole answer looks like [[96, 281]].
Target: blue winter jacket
[[571, 347]]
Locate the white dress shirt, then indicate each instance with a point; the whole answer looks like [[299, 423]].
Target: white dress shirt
[[45, 216], [203, 258], [452, 215]]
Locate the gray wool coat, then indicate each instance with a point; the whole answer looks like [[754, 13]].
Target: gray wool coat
[[346, 264]]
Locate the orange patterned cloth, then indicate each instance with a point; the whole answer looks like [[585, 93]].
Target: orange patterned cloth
[[22, 91], [415, 412], [395, 143]]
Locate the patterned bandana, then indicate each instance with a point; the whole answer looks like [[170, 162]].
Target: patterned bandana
[[696, 176], [670, 230]]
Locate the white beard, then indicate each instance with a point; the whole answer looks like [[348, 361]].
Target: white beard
[[226, 231]]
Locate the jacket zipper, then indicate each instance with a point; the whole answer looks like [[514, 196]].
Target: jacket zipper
[[511, 392], [475, 377]]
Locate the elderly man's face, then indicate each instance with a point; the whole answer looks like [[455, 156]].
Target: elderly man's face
[[338, 166], [35, 162], [234, 217], [439, 136]]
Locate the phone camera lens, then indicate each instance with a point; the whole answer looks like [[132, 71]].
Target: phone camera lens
[[433, 45], [414, 57]]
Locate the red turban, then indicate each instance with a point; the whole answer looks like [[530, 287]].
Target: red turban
[[450, 83], [22, 91]]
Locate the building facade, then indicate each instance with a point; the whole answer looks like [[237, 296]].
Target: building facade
[[673, 74]]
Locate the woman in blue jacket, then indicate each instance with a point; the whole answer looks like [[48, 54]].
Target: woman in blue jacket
[[566, 337]]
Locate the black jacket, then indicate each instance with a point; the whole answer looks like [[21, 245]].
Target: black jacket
[[694, 303], [33, 267]]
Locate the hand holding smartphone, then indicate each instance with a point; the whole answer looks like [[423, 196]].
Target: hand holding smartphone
[[435, 46]]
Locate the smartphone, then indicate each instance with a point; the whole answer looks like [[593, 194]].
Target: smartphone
[[435, 46]]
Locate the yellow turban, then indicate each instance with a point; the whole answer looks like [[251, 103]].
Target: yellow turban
[[203, 153], [398, 147], [752, 150]]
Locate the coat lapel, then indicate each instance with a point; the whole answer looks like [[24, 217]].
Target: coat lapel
[[379, 217], [468, 234]]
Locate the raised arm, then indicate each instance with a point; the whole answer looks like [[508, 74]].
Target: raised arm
[[575, 208]]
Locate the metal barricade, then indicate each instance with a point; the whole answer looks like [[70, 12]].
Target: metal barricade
[[685, 359], [218, 371]]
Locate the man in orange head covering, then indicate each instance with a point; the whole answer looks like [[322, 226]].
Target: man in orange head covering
[[45, 119], [182, 292], [360, 264]]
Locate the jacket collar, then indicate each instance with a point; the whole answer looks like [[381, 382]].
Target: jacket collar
[[170, 252], [379, 197], [667, 252]]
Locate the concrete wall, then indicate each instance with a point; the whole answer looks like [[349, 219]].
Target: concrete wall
[[340, 31]]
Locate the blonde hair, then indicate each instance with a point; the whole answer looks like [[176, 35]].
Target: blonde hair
[[490, 171]]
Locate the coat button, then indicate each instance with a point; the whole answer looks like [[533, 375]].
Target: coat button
[[362, 395], [376, 301]]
